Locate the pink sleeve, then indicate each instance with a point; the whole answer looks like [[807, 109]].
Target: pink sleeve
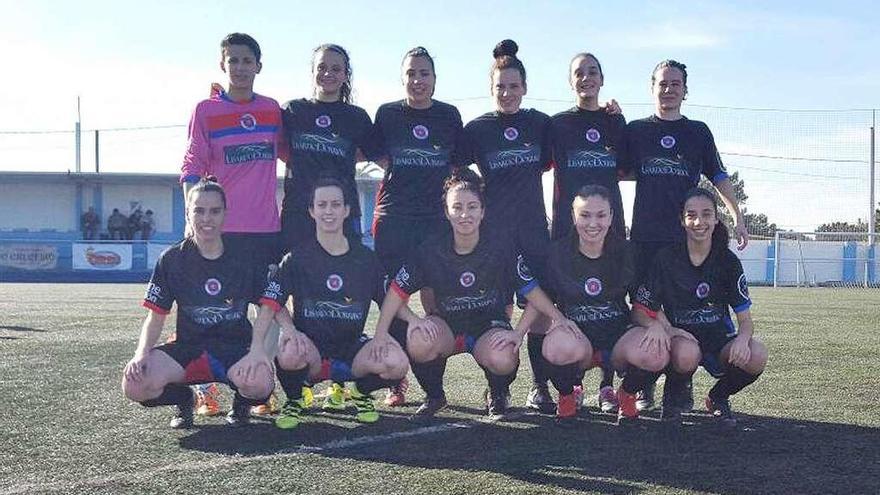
[[198, 149]]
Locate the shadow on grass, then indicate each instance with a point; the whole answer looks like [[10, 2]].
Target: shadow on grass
[[14, 328], [762, 455]]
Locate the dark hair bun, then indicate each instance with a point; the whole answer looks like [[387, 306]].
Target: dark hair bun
[[211, 178], [506, 47], [462, 175]]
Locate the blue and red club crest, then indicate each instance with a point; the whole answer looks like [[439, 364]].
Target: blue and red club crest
[[511, 133], [467, 279], [420, 132], [248, 121], [667, 141], [334, 282], [702, 290], [213, 286], [323, 121], [593, 135], [593, 286]]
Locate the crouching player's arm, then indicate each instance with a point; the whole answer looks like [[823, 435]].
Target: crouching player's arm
[[251, 372], [395, 305], [538, 303], [136, 369]]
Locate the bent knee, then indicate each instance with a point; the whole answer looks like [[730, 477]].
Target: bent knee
[[139, 391], [564, 350], [650, 361], [501, 363]]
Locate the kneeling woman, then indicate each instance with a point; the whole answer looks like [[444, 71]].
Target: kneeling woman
[[690, 287], [473, 277], [212, 285], [589, 275], [332, 282]]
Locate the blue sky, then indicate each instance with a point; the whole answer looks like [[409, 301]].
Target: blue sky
[[141, 64]]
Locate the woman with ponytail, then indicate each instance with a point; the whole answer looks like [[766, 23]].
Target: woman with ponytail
[[689, 291], [586, 142], [511, 147], [212, 282], [589, 275], [328, 134], [473, 277]]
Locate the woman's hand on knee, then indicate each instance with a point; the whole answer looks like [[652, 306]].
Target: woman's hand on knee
[[136, 369], [502, 338], [426, 328]]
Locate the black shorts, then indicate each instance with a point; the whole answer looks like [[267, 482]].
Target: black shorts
[[264, 249], [205, 362], [336, 360], [604, 340], [396, 238], [466, 336], [298, 227], [712, 339]]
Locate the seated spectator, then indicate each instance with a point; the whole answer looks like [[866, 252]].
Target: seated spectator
[[148, 226], [116, 225], [134, 222], [91, 223]]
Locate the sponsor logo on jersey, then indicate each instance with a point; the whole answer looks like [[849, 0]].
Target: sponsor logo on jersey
[[419, 157], [420, 132], [467, 279], [511, 133], [334, 282], [243, 153], [213, 286], [664, 166], [667, 141], [469, 303], [743, 285], [153, 293], [702, 290], [248, 121], [327, 310], [591, 159], [702, 316], [510, 158], [402, 277], [589, 313], [593, 135], [273, 291], [523, 270], [331, 145], [323, 121], [593, 286], [212, 315]]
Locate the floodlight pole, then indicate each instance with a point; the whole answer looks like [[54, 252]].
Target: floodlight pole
[[78, 137], [872, 207]]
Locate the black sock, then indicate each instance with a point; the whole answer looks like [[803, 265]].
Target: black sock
[[733, 381], [499, 385], [370, 383], [535, 344], [239, 400], [172, 395], [675, 380], [636, 379], [430, 377], [607, 376], [291, 381], [564, 377]]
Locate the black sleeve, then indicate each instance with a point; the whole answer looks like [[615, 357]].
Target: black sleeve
[[159, 295], [650, 293], [363, 136], [547, 139], [460, 156], [625, 152], [411, 276], [376, 138], [712, 167], [280, 284], [737, 287]]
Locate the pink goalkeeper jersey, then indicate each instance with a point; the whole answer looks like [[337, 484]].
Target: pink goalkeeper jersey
[[238, 143]]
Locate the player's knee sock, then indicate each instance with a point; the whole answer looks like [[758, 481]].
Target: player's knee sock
[[370, 383], [239, 400], [607, 377], [637, 379], [733, 381], [564, 377], [291, 381], [535, 344], [430, 377], [675, 380], [499, 384], [172, 395]]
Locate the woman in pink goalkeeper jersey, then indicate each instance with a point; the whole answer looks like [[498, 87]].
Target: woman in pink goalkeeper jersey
[[237, 137]]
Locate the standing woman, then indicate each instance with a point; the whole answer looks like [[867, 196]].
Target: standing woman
[[511, 147], [586, 140], [692, 286], [473, 276], [667, 153], [589, 275], [327, 136], [212, 284], [418, 140]]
